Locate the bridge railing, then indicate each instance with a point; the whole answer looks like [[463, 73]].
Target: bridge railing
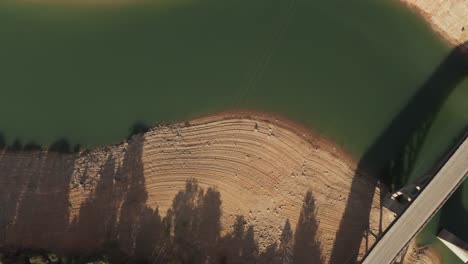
[[445, 157]]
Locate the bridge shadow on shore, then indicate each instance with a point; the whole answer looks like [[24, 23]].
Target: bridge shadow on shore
[[390, 159], [114, 220]]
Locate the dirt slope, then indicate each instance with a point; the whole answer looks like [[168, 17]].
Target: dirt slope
[[426, 255], [267, 176], [448, 17]]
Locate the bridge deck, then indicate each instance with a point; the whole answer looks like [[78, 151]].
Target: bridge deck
[[444, 183]]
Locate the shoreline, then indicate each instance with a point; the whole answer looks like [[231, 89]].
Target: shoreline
[[442, 26], [454, 33], [444, 23], [287, 123], [300, 130], [261, 165]]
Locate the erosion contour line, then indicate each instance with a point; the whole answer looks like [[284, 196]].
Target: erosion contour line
[[261, 165]]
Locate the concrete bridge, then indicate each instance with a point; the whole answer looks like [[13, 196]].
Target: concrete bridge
[[455, 244], [422, 209]]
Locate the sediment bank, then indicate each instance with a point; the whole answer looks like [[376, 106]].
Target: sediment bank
[[448, 18], [422, 255], [259, 172]]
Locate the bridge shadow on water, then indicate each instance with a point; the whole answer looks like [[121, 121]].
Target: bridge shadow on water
[[391, 157], [454, 215]]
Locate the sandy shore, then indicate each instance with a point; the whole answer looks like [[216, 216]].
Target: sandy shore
[[422, 255], [448, 17], [267, 175]]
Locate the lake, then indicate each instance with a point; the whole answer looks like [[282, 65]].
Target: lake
[[343, 68]]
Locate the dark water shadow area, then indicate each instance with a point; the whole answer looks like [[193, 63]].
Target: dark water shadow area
[[63, 144], [138, 128], [115, 222], [2, 141], [454, 206], [392, 156]]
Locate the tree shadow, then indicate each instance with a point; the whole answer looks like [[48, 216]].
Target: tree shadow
[[61, 145], [392, 156], [34, 197], [15, 146], [190, 231], [307, 249], [138, 128], [2, 141], [116, 222], [32, 146]]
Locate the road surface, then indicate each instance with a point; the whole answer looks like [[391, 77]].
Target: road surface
[[408, 225]]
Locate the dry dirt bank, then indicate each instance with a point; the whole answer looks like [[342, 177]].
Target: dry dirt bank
[[425, 255], [232, 186], [447, 17]]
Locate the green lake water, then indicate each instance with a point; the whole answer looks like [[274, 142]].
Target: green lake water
[[342, 68]]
